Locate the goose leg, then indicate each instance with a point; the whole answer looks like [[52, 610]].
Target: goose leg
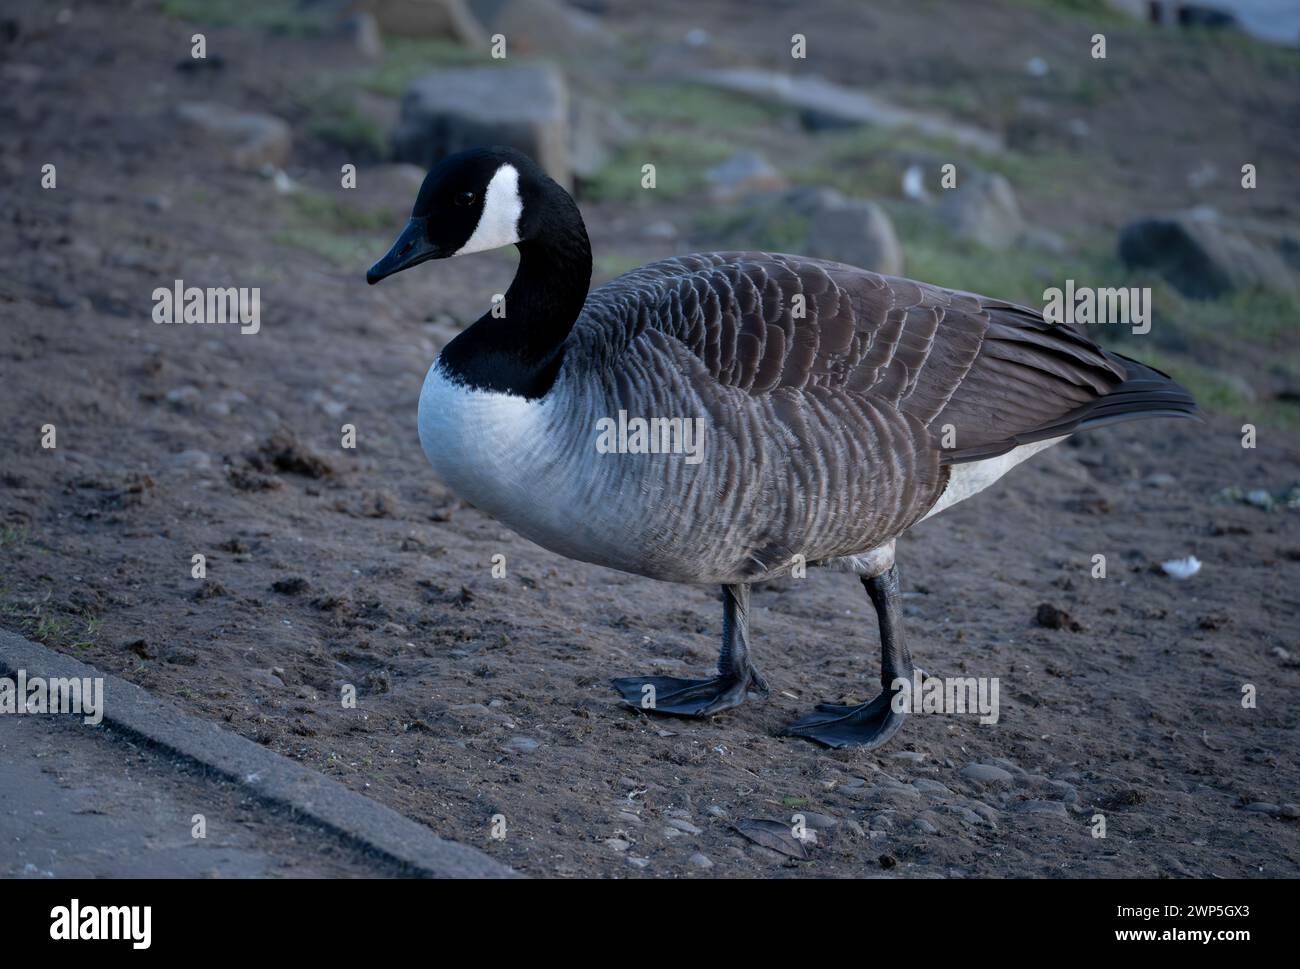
[[872, 723], [703, 698]]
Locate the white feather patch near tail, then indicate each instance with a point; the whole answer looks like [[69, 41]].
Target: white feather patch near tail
[[974, 476]]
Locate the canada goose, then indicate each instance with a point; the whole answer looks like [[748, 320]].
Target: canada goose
[[839, 408]]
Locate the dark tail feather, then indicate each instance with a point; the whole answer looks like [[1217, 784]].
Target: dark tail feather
[[1145, 392]]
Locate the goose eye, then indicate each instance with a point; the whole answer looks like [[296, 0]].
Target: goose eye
[[465, 198]]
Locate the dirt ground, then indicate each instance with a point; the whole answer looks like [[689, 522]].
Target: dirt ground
[[482, 696]]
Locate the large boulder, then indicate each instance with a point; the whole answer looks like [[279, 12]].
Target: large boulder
[[543, 27], [982, 208], [824, 224], [523, 107], [448, 19], [1204, 256], [247, 140]]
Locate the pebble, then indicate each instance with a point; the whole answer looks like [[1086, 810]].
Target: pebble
[[681, 824], [717, 810], [924, 826], [986, 774], [1067, 792], [523, 745], [701, 861], [822, 822], [637, 862], [629, 817], [194, 460], [915, 756], [1261, 807], [1043, 807], [618, 844], [983, 810], [928, 786]]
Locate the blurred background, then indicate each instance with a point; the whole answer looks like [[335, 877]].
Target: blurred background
[[837, 153]]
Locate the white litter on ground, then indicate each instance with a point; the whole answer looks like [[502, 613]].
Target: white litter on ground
[[1182, 568]]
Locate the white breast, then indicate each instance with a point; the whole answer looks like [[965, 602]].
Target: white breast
[[481, 443]]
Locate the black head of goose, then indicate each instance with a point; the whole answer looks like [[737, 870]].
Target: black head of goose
[[727, 417]]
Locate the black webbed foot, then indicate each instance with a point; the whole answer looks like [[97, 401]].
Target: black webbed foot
[[868, 725], [688, 698]]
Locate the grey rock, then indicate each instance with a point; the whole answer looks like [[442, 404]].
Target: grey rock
[[823, 104], [596, 132], [1205, 256], [700, 860], [637, 862], [914, 756], [927, 786], [523, 107], [924, 826], [986, 774], [448, 19], [1055, 808], [543, 27], [983, 209], [744, 173], [522, 745], [247, 140], [820, 822], [1261, 807], [683, 825]]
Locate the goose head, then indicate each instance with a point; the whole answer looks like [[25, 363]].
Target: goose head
[[475, 200]]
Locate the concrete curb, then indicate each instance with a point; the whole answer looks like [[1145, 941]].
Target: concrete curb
[[264, 774]]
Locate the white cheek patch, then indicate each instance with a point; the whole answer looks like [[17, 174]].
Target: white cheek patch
[[499, 223]]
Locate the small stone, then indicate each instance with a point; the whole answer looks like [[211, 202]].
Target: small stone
[[1262, 807], [927, 786], [986, 774], [521, 745], [681, 824], [628, 817], [617, 844], [822, 822], [914, 756], [637, 862], [924, 826], [699, 860]]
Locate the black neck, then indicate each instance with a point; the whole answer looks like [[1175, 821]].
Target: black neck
[[520, 352]]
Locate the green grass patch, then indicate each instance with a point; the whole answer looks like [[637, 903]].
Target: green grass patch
[[405, 59], [334, 118], [344, 252], [332, 213], [680, 163], [280, 16], [696, 104]]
